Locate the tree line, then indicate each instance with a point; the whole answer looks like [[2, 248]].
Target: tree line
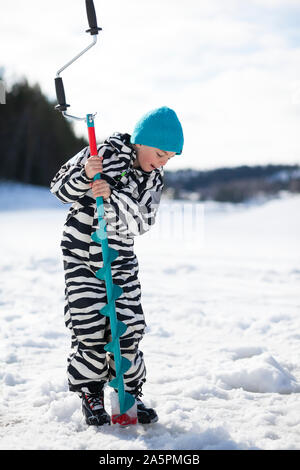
[[35, 140]]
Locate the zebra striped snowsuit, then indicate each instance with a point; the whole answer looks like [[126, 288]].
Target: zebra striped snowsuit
[[129, 211]]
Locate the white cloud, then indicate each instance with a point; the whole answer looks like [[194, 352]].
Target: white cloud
[[275, 3]]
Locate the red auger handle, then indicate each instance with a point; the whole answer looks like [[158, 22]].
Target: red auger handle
[[92, 135]]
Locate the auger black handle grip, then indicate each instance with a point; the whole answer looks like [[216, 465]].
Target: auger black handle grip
[[92, 19], [60, 94]]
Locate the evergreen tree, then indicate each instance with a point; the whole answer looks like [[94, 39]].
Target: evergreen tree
[[35, 139]]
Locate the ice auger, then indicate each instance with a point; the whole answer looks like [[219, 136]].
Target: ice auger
[[126, 413]]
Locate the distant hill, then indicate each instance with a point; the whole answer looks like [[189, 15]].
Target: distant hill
[[236, 184]]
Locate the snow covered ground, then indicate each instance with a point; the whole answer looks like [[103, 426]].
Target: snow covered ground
[[223, 342]]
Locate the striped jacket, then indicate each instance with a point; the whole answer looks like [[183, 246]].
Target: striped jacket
[[129, 211]]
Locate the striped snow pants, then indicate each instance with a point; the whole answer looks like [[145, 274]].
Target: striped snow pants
[[89, 365]]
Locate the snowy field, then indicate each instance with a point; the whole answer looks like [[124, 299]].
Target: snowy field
[[223, 343]]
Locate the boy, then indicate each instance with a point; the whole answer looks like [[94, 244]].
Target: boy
[[131, 183]]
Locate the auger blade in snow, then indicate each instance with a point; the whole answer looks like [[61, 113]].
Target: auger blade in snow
[[124, 412]]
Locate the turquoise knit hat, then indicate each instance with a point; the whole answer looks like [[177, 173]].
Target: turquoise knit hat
[[159, 128]]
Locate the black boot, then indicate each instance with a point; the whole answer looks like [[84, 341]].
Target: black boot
[[93, 409], [145, 415]]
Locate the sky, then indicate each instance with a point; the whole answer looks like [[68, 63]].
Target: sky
[[229, 68]]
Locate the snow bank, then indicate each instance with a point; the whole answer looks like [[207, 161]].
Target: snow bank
[[259, 374]]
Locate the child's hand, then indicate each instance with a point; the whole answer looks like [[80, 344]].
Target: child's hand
[[93, 166], [101, 188]]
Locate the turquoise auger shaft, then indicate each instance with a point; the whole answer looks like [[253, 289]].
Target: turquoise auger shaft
[[118, 328]]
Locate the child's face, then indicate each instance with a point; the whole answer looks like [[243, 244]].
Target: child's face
[[149, 158]]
